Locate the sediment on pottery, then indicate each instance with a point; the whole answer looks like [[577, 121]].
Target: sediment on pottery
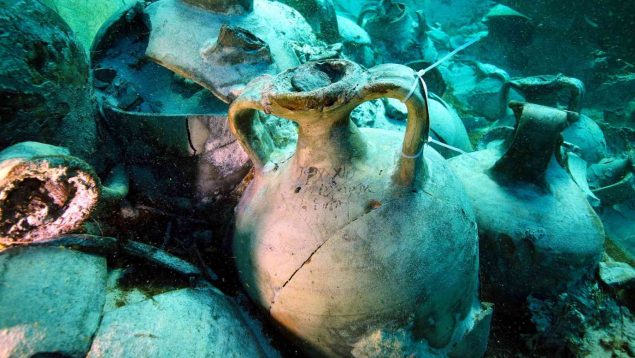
[[323, 238]]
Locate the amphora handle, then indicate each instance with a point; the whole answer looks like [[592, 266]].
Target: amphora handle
[[536, 140], [329, 103]]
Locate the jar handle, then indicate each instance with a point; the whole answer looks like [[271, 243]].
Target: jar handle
[[536, 140], [246, 126], [402, 83], [390, 80]]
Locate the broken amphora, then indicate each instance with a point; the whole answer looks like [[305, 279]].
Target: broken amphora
[[538, 233], [356, 234], [223, 44], [46, 192]]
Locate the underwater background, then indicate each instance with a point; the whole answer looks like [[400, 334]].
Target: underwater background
[[324, 178]]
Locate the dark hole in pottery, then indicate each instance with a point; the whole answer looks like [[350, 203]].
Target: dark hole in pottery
[[33, 199], [317, 75]]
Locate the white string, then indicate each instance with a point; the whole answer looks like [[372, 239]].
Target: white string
[[404, 155], [432, 140], [422, 72], [454, 149], [419, 78]]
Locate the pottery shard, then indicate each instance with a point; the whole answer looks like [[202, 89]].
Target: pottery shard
[[182, 323], [50, 301]]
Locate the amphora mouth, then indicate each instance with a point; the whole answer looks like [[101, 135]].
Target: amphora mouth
[[319, 85]]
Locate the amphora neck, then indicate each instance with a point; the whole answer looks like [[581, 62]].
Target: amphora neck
[[320, 97], [536, 141]]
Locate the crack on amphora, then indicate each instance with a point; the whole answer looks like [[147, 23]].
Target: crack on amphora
[[308, 260]]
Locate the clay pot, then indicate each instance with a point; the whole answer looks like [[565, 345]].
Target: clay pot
[[321, 15], [538, 234], [356, 43], [549, 90], [165, 125], [223, 44], [398, 33], [46, 192], [360, 235]]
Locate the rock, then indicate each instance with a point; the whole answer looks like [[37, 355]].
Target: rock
[[181, 323], [584, 322], [50, 301], [617, 274]]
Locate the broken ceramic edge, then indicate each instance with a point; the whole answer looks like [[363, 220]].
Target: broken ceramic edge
[[577, 168], [195, 30], [503, 11], [126, 14], [236, 45], [188, 142], [621, 191], [68, 190]]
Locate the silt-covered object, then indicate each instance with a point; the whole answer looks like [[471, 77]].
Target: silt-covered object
[[361, 235]]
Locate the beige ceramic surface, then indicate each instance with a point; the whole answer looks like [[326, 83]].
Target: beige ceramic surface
[[348, 236]]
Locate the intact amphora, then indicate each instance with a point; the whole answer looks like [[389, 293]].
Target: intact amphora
[[357, 241], [538, 233]]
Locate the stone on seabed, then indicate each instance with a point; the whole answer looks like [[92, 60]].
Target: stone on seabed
[[50, 301], [182, 323]]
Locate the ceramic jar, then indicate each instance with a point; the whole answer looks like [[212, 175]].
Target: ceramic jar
[[538, 233], [360, 235]]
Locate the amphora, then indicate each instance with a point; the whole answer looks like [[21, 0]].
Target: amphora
[[538, 233], [360, 235]]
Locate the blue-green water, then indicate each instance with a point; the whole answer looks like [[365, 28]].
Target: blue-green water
[[385, 178]]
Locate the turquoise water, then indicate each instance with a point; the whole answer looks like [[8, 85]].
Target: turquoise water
[[386, 178]]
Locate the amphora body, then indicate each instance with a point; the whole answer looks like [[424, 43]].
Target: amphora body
[[538, 233], [356, 237]]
